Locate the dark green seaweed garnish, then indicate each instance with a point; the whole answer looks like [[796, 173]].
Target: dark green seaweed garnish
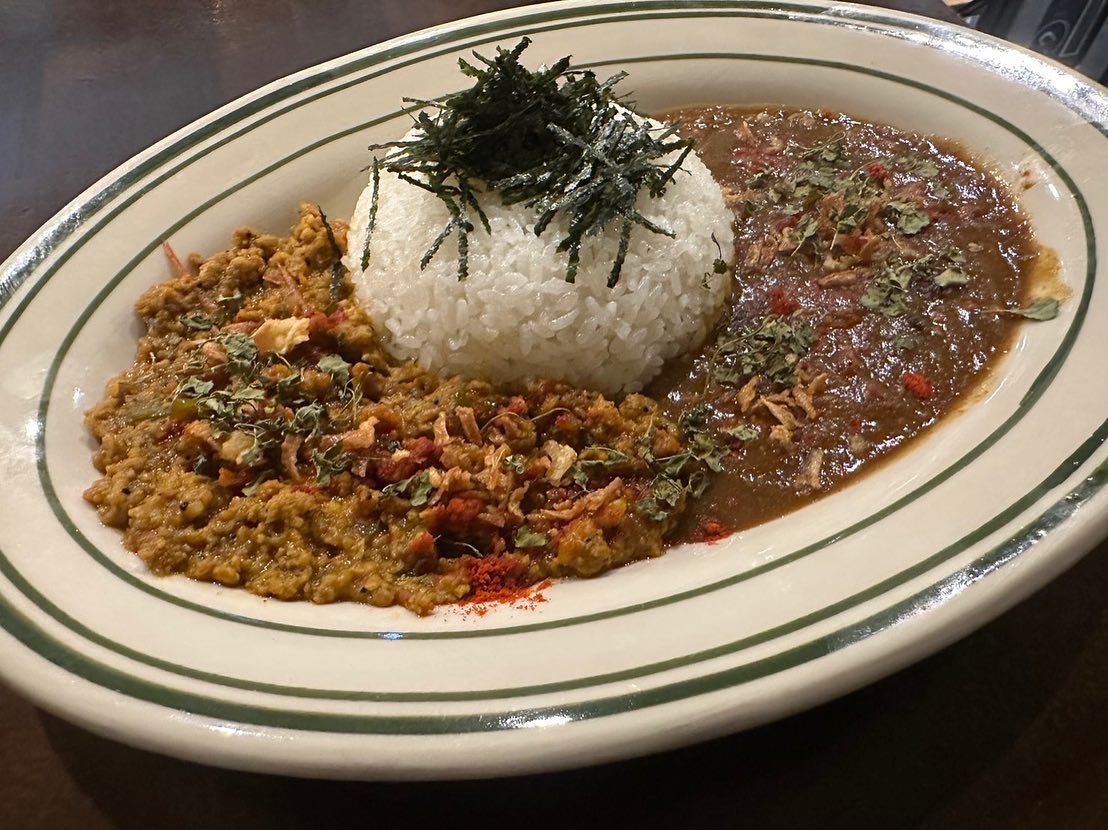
[[554, 140], [338, 270]]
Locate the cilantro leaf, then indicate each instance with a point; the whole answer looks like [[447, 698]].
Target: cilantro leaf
[[908, 217], [307, 418], [665, 489], [248, 393], [612, 458], [888, 292], [241, 350], [672, 465], [417, 488], [1042, 309], [743, 432], [194, 387], [330, 463], [336, 367], [649, 507], [772, 350], [197, 321], [252, 488], [527, 538], [805, 230], [951, 276]]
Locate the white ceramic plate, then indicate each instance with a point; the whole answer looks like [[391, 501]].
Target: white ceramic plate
[[707, 640]]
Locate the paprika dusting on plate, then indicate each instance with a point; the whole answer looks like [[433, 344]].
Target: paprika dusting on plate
[[499, 581]]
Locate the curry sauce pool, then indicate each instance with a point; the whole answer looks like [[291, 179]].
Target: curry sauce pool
[[880, 275], [264, 438]]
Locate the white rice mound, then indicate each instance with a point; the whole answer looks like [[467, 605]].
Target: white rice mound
[[515, 317]]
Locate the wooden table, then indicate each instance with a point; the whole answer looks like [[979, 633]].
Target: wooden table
[[1006, 729]]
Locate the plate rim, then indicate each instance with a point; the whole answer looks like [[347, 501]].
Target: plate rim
[[19, 260]]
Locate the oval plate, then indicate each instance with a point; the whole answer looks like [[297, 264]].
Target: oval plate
[[708, 639]]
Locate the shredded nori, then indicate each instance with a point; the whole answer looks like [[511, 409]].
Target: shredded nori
[[371, 220], [338, 270], [554, 140]]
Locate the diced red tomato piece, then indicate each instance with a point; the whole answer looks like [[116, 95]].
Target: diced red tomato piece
[[918, 385]]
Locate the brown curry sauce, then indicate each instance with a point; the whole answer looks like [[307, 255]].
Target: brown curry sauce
[[889, 373]]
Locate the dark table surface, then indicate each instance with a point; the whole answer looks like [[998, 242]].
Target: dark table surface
[[1006, 729]]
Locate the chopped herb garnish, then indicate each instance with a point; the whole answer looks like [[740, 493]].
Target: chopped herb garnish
[[248, 393], [829, 151], [925, 168], [743, 432], [288, 386], [515, 463], [1042, 309], [416, 488], [194, 387], [553, 140], [696, 418], [666, 490], [330, 463], [805, 229], [241, 350], [336, 367], [579, 476], [940, 191], [702, 446], [255, 454], [232, 300], [698, 483], [197, 321], [887, 293], [650, 508], [905, 342], [674, 464], [850, 217], [612, 458], [705, 448], [772, 350], [252, 488], [951, 276], [371, 218], [908, 217], [527, 538], [308, 418]]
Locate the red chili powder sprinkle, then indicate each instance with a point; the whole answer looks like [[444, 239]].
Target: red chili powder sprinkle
[[711, 531], [497, 580], [918, 385], [878, 170], [780, 304]]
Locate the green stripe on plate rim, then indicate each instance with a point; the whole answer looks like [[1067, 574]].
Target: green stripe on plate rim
[[77, 663], [1038, 387]]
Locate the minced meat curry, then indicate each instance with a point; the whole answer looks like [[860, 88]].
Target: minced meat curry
[[264, 438]]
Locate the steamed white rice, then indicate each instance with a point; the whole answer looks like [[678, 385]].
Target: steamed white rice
[[515, 317]]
